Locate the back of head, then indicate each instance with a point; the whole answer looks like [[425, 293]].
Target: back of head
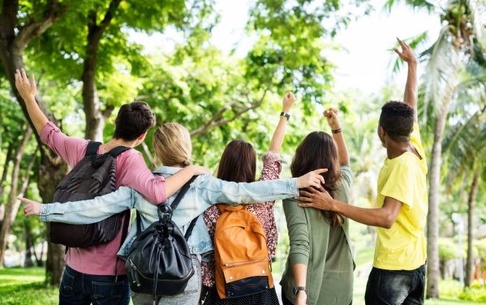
[[397, 120], [172, 145], [133, 120], [318, 150], [238, 162]]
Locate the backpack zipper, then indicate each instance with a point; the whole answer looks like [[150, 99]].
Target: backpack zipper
[[236, 264]]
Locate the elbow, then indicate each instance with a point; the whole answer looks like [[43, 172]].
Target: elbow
[[387, 221]]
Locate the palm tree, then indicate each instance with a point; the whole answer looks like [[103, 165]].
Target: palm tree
[[465, 148]]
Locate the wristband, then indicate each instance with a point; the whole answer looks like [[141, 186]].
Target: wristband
[[285, 114], [337, 130]]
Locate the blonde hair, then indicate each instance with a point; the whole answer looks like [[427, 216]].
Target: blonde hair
[[172, 145]]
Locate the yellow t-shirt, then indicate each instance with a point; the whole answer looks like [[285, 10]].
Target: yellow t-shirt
[[403, 246]]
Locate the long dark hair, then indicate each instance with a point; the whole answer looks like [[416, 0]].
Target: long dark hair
[[238, 162], [318, 150]]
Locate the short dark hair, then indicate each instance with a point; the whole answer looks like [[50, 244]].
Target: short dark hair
[[133, 120], [318, 150], [397, 120], [238, 162]]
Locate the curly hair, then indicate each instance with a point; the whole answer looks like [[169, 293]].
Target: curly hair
[[397, 119]]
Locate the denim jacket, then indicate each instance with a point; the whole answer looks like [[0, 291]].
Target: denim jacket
[[204, 191]]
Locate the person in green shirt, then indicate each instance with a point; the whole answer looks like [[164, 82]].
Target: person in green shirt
[[398, 273], [319, 267]]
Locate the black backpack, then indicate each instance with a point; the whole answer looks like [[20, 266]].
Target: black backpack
[[159, 261], [93, 176]]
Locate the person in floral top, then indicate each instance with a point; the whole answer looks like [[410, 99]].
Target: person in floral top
[[238, 163]]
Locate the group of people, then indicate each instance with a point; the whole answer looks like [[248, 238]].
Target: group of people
[[319, 266]]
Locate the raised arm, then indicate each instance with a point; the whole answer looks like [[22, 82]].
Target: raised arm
[[28, 89], [278, 134], [337, 135], [407, 55]]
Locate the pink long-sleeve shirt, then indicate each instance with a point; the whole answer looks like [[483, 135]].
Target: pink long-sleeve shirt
[[132, 171]]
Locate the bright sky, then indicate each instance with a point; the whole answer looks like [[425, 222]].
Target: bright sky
[[368, 63]]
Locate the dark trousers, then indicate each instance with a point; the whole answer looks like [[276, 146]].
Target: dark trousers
[[395, 287], [84, 289]]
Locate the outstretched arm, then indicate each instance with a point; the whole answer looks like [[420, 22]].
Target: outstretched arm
[[28, 89], [337, 135], [278, 134], [379, 217], [407, 55]]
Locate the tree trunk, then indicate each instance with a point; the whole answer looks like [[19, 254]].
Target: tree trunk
[[8, 159], [12, 205], [470, 229], [433, 260], [95, 119]]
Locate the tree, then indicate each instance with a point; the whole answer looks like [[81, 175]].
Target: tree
[[464, 146]]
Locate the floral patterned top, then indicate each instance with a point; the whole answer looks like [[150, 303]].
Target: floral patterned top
[[272, 167]]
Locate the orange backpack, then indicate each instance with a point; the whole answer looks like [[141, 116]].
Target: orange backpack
[[242, 263]]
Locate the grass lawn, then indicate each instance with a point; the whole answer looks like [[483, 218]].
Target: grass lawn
[[26, 286]]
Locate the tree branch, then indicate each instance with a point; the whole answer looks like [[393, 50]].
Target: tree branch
[[217, 119], [34, 28]]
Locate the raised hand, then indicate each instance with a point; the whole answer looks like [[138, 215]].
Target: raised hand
[[406, 54], [288, 101], [331, 116], [26, 86]]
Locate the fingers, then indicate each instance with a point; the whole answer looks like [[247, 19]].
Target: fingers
[[306, 205], [320, 171], [303, 199]]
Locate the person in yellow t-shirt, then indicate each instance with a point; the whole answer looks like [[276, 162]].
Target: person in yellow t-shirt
[[398, 274]]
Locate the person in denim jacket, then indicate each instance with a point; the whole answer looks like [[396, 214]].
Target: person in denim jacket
[[173, 148]]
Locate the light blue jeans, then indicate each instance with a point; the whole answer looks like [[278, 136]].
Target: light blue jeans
[[190, 296]]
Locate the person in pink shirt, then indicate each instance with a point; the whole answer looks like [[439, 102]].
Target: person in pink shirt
[[94, 274]]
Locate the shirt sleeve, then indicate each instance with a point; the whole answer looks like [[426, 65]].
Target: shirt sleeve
[[132, 171], [89, 211], [214, 190], [298, 233], [70, 149], [272, 166]]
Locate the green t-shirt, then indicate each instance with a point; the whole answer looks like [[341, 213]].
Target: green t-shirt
[[325, 250]]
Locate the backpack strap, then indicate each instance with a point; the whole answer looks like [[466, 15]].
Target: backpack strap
[[174, 205], [191, 226], [181, 193], [117, 150], [92, 148]]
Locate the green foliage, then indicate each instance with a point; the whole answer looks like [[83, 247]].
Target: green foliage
[[447, 249]]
